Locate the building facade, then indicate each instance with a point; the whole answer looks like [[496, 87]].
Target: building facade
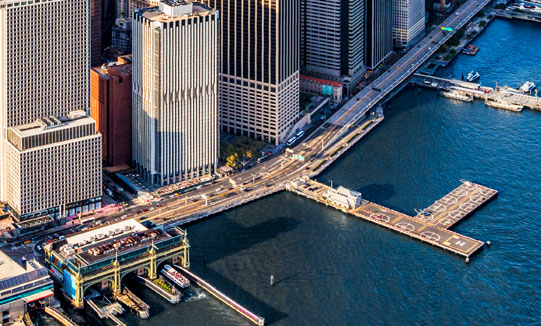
[[54, 167], [121, 35], [332, 40], [44, 66], [175, 92], [259, 67], [95, 31], [408, 21], [111, 107], [379, 32], [22, 287]]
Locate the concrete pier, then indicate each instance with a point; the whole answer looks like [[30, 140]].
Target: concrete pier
[[58, 315], [430, 225], [499, 97], [260, 321]]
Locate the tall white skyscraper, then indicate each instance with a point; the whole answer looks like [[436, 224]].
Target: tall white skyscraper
[[408, 21], [259, 68], [175, 91], [44, 62]]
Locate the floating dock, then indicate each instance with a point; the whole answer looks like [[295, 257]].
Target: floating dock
[[430, 225], [173, 296], [130, 300], [260, 321]]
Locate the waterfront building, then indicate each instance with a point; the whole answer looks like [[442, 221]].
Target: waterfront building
[[332, 41], [259, 67], [175, 91], [379, 32], [111, 107], [343, 197], [22, 287], [104, 255], [53, 166], [44, 68], [408, 21]]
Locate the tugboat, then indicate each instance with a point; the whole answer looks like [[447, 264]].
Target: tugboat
[[527, 87], [175, 276], [472, 76]]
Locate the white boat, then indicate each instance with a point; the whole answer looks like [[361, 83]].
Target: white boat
[[527, 87], [473, 76], [175, 276], [457, 96]]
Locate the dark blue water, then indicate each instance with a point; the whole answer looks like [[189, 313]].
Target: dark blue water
[[332, 269]]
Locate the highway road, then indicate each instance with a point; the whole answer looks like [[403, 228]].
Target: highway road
[[272, 175]]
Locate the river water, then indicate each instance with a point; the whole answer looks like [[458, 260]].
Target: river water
[[332, 269]]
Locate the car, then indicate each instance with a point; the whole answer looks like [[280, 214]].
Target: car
[[427, 213], [39, 248], [176, 194], [27, 241]]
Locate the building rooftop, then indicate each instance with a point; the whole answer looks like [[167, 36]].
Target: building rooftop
[[9, 267], [131, 225], [122, 66], [172, 10], [127, 238], [73, 119]]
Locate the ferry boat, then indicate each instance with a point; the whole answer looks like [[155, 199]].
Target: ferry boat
[[472, 76], [175, 276], [527, 87]]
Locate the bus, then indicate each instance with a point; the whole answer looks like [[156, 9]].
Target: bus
[[291, 141]]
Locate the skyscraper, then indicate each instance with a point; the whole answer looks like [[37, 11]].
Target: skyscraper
[[43, 76], [332, 40], [111, 107], [259, 68], [408, 21], [379, 31], [175, 91]]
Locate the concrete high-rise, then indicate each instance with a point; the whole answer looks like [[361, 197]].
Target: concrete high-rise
[[259, 67], [44, 66], [379, 31], [175, 91], [408, 21], [53, 166], [332, 40], [111, 107]]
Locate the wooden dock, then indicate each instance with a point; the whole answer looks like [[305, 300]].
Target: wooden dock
[[431, 225]]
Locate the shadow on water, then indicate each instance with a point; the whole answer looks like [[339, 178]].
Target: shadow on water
[[378, 191], [264, 231]]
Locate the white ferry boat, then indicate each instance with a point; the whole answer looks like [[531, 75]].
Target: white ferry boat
[[527, 87], [473, 76], [175, 276]]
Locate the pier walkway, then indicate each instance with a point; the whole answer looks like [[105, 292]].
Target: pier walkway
[[108, 311], [56, 314], [260, 321], [430, 225]]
